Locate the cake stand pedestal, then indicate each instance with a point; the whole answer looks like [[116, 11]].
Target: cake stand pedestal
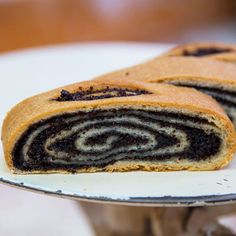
[[124, 220]]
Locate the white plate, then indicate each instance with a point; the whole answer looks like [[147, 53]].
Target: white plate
[[25, 73]]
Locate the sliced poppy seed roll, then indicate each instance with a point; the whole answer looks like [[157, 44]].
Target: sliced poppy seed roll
[[215, 78], [117, 126], [218, 51]]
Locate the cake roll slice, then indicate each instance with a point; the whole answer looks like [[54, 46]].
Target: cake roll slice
[[213, 50], [117, 125], [215, 78]]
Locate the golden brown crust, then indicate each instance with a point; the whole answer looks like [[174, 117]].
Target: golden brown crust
[[123, 166], [43, 106], [191, 47], [178, 68]]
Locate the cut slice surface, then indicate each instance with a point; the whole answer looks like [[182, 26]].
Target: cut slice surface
[[101, 137], [150, 130]]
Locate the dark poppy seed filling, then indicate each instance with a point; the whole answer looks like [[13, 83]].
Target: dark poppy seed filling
[[201, 52], [225, 96], [92, 94], [97, 138]]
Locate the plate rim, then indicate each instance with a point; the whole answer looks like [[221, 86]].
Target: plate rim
[[166, 201], [66, 45]]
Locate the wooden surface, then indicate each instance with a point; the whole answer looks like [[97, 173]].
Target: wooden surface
[[27, 23]]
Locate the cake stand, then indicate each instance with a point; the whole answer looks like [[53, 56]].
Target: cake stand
[[131, 203]]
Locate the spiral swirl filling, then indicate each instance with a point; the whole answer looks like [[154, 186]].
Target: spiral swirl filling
[[99, 137], [224, 95]]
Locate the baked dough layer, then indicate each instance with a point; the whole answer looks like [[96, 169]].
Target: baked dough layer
[[215, 78], [150, 131]]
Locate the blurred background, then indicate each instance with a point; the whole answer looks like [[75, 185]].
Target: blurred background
[[27, 23], [30, 23]]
